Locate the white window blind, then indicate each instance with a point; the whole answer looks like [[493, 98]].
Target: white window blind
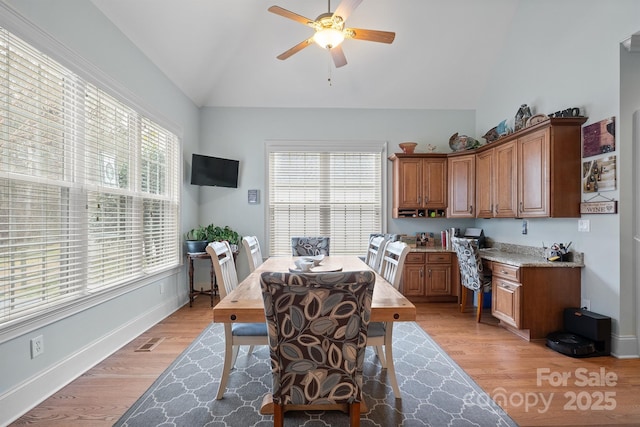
[[89, 188], [315, 192]]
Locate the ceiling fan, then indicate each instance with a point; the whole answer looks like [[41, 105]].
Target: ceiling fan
[[330, 30]]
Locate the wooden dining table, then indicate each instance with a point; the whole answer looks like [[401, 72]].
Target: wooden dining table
[[244, 304]]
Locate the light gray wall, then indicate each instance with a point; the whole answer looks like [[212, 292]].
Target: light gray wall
[[81, 340], [240, 133], [562, 54]]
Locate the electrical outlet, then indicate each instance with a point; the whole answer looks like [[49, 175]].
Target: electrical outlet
[[585, 303], [584, 225], [37, 346]]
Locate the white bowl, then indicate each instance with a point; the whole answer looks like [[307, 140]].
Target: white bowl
[[316, 259]]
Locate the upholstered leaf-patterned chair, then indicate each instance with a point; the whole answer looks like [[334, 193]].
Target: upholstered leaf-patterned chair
[[472, 274], [310, 246], [317, 326]]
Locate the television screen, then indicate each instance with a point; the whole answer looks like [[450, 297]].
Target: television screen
[[214, 171]]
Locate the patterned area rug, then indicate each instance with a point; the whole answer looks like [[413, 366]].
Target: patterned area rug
[[435, 390]]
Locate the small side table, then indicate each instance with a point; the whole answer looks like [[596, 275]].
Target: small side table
[[193, 292]]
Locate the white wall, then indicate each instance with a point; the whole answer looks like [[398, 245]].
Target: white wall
[[630, 191], [562, 54], [77, 342]]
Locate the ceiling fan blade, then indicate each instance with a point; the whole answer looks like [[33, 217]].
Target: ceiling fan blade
[[345, 8], [297, 48], [338, 56], [370, 35], [288, 14]]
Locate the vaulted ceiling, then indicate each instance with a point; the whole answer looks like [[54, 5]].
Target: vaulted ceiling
[[223, 52]]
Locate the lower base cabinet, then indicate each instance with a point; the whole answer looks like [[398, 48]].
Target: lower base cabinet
[[529, 301], [428, 277]]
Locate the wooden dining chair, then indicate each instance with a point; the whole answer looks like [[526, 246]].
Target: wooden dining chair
[[252, 249], [472, 274], [305, 246], [375, 251], [317, 336], [381, 333], [235, 334]]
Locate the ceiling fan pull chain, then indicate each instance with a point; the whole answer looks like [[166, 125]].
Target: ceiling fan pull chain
[[329, 71]]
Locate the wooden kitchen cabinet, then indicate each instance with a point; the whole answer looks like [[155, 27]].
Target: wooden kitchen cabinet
[[534, 172], [419, 185], [529, 301], [462, 182], [427, 276], [496, 181], [549, 160]]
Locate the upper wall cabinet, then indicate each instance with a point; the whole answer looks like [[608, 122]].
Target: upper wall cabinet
[[535, 172], [462, 191], [419, 185]]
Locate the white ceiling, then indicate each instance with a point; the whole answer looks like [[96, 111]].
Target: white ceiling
[[223, 52]]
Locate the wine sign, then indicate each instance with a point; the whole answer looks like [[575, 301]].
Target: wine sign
[[609, 207]]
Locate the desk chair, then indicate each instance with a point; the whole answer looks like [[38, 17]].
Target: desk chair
[[252, 249], [235, 334], [381, 333], [310, 246], [317, 335], [472, 275], [374, 252]]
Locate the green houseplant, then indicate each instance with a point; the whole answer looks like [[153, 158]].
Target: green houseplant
[[196, 239], [215, 233]]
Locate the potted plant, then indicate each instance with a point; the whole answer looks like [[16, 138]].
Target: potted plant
[[218, 234], [196, 239]]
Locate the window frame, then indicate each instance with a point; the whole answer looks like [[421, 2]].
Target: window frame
[[41, 41], [326, 146]]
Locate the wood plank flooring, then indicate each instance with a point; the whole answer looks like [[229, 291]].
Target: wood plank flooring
[[518, 374]]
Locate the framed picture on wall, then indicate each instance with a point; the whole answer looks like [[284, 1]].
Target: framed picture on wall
[[599, 138], [599, 175]]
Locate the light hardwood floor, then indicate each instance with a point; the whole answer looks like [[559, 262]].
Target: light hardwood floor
[[518, 374]]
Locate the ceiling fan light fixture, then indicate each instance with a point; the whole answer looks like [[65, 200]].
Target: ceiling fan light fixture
[[328, 38]]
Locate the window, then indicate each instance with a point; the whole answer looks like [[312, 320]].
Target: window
[[89, 187], [324, 189]]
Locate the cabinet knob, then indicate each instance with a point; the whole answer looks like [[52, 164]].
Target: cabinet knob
[[471, 209]]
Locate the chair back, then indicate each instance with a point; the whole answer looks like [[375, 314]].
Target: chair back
[[254, 254], [310, 246], [375, 252], [469, 261], [393, 262], [224, 266], [317, 327]]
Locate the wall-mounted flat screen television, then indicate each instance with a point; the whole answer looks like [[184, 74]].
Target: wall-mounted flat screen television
[[214, 171]]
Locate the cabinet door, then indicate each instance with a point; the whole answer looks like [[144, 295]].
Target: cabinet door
[[484, 188], [506, 301], [533, 175], [505, 180], [413, 280], [409, 185], [462, 181], [438, 280], [434, 183]]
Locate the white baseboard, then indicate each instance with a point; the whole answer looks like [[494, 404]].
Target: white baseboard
[[625, 346], [30, 393]]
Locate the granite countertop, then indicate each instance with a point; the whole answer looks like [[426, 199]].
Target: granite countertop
[[517, 255], [430, 249], [528, 256]]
